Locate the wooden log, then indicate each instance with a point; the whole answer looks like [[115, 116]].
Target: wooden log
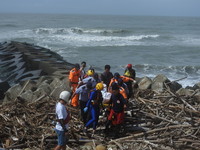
[[153, 131]]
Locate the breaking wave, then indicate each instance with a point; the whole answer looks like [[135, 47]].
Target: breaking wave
[[78, 37], [192, 73]]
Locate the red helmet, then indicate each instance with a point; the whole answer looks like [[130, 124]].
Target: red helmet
[[129, 66]]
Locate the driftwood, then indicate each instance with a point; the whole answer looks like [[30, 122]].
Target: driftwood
[[153, 121]]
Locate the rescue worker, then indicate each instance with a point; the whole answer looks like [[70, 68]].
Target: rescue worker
[[83, 92], [118, 104], [92, 77], [106, 76], [116, 77], [122, 89], [83, 72], [62, 120], [93, 107], [129, 72], [74, 76]]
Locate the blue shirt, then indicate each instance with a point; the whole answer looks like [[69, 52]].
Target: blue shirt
[[83, 92]]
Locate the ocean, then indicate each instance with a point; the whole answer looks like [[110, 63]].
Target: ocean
[[154, 45]]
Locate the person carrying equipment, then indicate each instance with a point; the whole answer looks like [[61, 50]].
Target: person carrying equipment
[[118, 104], [74, 76], [93, 106], [116, 77], [83, 92], [63, 118], [129, 72], [106, 76]]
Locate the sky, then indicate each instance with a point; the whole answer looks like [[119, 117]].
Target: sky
[[104, 7]]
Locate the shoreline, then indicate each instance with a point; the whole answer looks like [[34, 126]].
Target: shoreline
[[31, 62]]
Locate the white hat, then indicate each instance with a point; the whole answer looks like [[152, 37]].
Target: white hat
[[64, 95]]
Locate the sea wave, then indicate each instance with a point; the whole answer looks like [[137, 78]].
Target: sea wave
[[172, 72], [76, 30], [84, 37]]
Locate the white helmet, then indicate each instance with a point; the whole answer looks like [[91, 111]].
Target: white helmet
[[64, 95]]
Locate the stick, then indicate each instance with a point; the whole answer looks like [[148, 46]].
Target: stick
[[22, 89], [177, 80], [153, 131]]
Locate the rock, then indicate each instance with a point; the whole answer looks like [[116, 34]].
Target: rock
[[100, 147], [43, 78], [145, 83], [28, 96], [174, 86], [12, 93], [197, 95], [57, 90], [4, 86], [185, 92], [196, 86], [30, 86], [158, 83], [55, 83], [45, 87]]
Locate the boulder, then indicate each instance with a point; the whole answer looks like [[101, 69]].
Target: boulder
[[30, 86], [185, 92], [197, 96], [57, 90], [100, 147], [174, 86], [4, 86], [44, 78], [55, 83], [45, 87], [12, 93], [158, 83], [145, 83], [196, 86], [28, 96]]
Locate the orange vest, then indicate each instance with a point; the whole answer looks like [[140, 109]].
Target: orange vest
[[123, 92], [74, 76]]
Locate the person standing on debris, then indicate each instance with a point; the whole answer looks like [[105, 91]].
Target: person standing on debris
[[116, 77], [106, 76], [93, 106], [83, 72], [129, 72], [118, 104], [63, 118], [74, 76], [83, 92]]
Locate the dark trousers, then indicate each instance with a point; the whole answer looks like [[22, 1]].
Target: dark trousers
[[130, 88], [83, 114]]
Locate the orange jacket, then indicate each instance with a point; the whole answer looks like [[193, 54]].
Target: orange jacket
[[74, 76], [125, 79], [123, 92]]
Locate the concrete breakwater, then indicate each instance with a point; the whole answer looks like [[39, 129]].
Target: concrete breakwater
[[20, 62]]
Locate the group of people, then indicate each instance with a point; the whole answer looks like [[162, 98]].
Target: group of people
[[92, 92]]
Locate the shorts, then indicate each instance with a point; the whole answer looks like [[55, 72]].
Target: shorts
[[61, 137]]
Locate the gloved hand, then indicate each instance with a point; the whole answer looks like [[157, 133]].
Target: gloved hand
[[85, 109]]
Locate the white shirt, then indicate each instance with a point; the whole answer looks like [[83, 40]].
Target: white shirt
[[61, 113], [106, 95]]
